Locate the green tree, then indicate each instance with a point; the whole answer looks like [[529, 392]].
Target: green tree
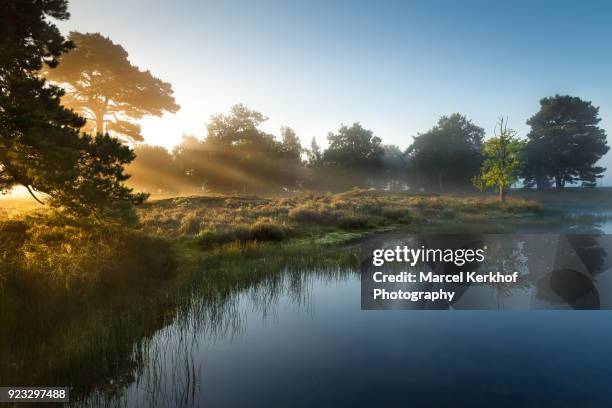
[[448, 155], [353, 147], [502, 161], [238, 156], [291, 145], [105, 88], [314, 154], [353, 157], [40, 144], [565, 143]]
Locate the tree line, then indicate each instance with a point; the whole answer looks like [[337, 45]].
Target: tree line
[[562, 148], [69, 111]]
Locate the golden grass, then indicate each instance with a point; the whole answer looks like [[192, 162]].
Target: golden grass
[[224, 218]]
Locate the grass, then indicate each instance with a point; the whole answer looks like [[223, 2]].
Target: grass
[[98, 343], [217, 220], [78, 300], [45, 252], [571, 197]]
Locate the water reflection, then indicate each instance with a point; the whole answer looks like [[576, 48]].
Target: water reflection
[[176, 357], [299, 338]]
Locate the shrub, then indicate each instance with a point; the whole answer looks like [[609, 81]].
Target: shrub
[[353, 222], [372, 208], [208, 238], [312, 215], [267, 231], [517, 205], [190, 224], [394, 213], [12, 236]]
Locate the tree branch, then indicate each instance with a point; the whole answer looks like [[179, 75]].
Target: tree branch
[[32, 194]]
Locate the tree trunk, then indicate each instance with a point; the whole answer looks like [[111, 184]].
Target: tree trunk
[[559, 182], [440, 181], [502, 194], [540, 181]]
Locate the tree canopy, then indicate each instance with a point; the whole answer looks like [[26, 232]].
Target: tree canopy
[[565, 143], [41, 147], [238, 156], [502, 160], [353, 158], [105, 88], [353, 147], [448, 155]]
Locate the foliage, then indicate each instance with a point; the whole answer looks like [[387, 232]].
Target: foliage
[[502, 161], [354, 154], [41, 148], [565, 143], [353, 222], [107, 89], [77, 255], [261, 231], [314, 154], [447, 156], [290, 144], [238, 156], [353, 147], [268, 231]]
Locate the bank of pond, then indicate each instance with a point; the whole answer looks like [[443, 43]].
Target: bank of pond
[[114, 311]]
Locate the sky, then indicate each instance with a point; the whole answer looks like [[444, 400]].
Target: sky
[[395, 67]]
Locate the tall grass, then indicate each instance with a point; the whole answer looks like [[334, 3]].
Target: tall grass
[[217, 220], [78, 300]]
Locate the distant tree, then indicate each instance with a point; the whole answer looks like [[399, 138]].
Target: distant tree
[[565, 143], [110, 92], [239, 127], [291, 145], [190, 158], [502, 160], [314, 154], [353, 147], [534, 171], [394, 166], [154, 170], [238, 156], [40, 145], [448, 155], [290, 159], [354, 156]]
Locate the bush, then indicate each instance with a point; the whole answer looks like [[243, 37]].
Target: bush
[[312, 215], [260, 231], [208, 238], [395, 214], [190, 224], [268, 231], [353, 222], [372, 208]]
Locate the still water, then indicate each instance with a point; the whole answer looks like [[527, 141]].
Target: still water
[[303, 340]]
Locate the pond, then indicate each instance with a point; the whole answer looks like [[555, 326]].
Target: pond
[[301, 339]]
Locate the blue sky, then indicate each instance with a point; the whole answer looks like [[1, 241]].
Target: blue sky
[[396, 67]]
